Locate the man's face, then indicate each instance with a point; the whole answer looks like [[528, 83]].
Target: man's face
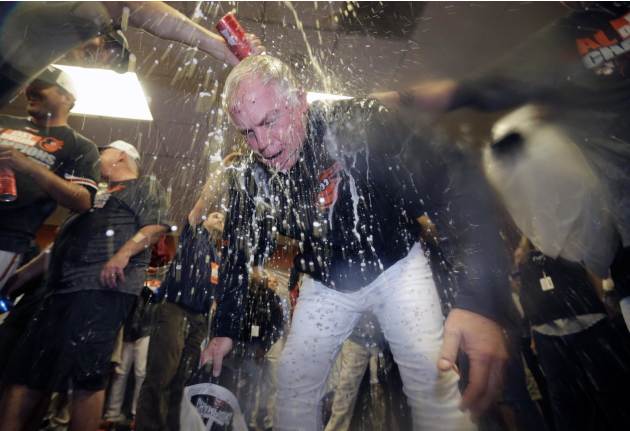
[[273, 124], [46, 100], [214, 222]]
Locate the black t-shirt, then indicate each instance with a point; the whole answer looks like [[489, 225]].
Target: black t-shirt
[[556, 289], [580, 61], [352, 201], [264, 318], [60, 149], [87, 241]]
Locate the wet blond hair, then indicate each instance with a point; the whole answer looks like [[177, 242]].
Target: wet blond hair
[[266, 68]]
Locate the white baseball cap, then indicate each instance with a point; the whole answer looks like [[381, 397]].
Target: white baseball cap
[[126, 148], [55, 76]]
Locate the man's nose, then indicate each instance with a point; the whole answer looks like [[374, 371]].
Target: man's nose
[[262, 139]]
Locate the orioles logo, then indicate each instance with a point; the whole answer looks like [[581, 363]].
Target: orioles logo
[[328, 184], [50, 145], [214, 273]]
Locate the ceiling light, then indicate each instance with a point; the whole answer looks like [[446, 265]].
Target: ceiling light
[[312, 96], [105, 93]]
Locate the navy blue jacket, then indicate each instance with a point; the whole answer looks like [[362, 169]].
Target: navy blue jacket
[[188, 280], [352, 202]]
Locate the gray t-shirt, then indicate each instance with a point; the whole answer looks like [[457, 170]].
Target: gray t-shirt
[[87, 241]]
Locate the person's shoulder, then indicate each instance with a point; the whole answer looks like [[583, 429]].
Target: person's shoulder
[[83, 142], [75, 144]]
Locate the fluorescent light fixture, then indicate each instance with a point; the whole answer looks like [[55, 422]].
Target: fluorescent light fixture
[[105, 93], [312, 96]]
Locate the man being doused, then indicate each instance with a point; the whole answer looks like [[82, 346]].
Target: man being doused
[[334, 177]]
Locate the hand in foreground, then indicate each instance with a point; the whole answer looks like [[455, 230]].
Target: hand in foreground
[[114, 271], [215, 352], [14, 159], [483, 342], [255, 47]]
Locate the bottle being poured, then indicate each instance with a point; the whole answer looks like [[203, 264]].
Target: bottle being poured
[[234, 35]]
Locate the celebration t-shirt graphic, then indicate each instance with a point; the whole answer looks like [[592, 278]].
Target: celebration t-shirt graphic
[[601, 50], [328, 186]]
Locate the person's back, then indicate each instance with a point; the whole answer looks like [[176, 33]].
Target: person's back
[[188, 280]]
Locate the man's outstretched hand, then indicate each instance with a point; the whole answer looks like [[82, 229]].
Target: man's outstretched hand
[[215, 352], [483, 342]]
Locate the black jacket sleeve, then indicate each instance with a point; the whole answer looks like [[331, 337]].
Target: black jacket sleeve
[[537, 70], [246, 242], [470, 262], [233, 274]]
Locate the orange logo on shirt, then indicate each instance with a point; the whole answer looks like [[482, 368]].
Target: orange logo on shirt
[[50, 145], [214, 271], [601, 52], [622, 25], [328, 183]]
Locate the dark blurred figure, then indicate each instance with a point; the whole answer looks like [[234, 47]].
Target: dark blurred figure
[[359, 353], [136, 333], [258, 349], [27, 282], [181, 324], [517, 408], [584, 356], [578, 70], [96, 271]]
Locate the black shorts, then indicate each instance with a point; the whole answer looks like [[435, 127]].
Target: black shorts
[[70, 342]]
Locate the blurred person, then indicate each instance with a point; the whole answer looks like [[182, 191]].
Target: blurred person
[[580, 78], [62, 26], [360, 352], [517, 407], [265, 406], [181, 323], [584, 357], [312, 177], [96, 271], [27, 284], [135, 347], [258, 349], [52, 163], [212, 197]]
